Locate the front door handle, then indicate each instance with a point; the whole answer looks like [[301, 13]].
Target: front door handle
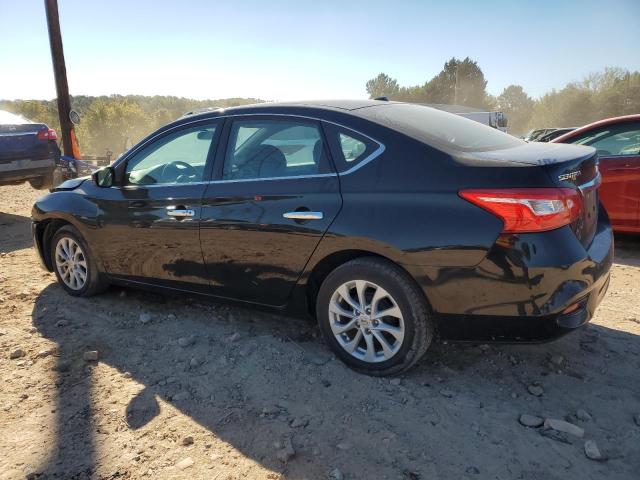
[[304, 215], [180, 212]]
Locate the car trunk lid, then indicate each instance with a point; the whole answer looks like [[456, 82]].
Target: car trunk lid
[[20, 141], [572, 166]]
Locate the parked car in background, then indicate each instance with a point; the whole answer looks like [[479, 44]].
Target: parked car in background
[[534, 134], [73, 168], [386, 221], [28, 152], [555, 133], [617, 141]]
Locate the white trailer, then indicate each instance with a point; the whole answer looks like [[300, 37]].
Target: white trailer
[[497, 120]]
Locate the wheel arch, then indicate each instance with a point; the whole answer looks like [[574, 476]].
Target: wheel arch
[[322, 268], [45, 230]]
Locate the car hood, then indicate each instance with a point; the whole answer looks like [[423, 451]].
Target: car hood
[[70, 184], [527, 155]]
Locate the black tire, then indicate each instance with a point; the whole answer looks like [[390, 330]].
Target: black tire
[[95, 281], [38, 183], [419, 327], [46, 182]]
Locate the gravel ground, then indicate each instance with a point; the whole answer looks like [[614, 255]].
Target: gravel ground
[[135, 385]]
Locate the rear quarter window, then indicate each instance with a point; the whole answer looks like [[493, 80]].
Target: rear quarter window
[[349, 149]]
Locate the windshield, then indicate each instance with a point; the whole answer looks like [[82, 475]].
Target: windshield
[[440, 129]]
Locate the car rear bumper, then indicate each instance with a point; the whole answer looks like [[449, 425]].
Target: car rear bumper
[[525, 288], [22, 170]]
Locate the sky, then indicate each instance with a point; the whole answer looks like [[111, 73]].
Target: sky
[[299, 49]]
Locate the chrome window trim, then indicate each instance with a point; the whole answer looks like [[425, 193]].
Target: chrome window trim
[[233, 180], [376, 153], [373, 155], [236, 180], [152, 185]]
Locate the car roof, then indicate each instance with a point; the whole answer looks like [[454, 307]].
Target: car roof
[[329, 105], [599, 123]]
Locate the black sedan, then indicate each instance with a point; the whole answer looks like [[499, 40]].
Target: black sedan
[[388, 222], [28, 152]]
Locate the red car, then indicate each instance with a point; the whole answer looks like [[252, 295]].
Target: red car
[[617, 141]]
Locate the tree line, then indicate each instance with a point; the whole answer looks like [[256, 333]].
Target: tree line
[[609, 93], [115, 122]]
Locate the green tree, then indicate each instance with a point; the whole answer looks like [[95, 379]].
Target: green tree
[[460, 82], [415, 94], [518, 107], [382, 86], [116, 121], [610, 93], [570, 107]]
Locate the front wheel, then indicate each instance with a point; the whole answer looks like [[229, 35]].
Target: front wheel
[[374, 317], [73, 264]]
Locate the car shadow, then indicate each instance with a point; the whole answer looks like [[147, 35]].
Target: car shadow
[[12, 229], [251, 379]]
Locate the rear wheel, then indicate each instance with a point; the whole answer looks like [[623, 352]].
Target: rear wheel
[[38, 183], [374, 317], [46, 182], [73, 264]]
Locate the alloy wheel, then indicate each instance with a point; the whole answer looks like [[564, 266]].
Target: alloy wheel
[[71, 263], [366, 321]]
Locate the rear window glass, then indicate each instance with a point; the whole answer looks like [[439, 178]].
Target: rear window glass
[[440, 129]]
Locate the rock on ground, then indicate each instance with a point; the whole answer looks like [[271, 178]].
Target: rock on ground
[[536, 390], [531, 420], [287, 452], [591, 450], [90, 356], [566, 427], [336, 474], [17, 353], [186, 463]]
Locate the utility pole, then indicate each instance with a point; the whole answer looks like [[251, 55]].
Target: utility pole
[[60, 74], [455, 87]]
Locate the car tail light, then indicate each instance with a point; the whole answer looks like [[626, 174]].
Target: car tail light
[[47, 134], [529, 209]]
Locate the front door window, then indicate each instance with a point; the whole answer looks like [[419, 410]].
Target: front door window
[[178, 158]]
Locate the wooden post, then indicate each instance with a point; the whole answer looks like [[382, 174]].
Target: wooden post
[[60, 74]]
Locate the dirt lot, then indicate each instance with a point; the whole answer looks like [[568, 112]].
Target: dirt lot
[[183, 388]]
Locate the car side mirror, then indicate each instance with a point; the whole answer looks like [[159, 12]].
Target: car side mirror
[[104, 177]]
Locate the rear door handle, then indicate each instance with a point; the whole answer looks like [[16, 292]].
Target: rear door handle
[[304, 215], [180, 212]]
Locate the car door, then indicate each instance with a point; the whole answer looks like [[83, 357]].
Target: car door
[[618, 149], [275, 195], [151, 222]]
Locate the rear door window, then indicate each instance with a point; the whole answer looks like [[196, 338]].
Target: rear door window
[[269, 148]]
